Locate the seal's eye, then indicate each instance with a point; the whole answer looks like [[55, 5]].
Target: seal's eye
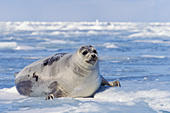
[[85, 52], [95, 51]]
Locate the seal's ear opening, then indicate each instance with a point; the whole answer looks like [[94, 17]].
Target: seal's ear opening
[[16, 74]]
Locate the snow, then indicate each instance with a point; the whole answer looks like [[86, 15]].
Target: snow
[[152, 56], [137, 54], [105, 100], [8, 45], [156, 99], [87, 28], [110, 45], [152, 41]]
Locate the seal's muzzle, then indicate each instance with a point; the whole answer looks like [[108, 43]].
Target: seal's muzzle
[[92, 59]]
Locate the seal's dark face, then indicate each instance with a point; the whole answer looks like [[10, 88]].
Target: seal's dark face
[[89, 54]]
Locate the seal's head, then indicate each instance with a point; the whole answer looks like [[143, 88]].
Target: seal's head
[[87, 56]]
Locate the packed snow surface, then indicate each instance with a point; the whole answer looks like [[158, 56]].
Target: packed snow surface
[[135, 53]]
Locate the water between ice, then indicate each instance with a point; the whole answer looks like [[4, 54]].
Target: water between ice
[[135, 53]]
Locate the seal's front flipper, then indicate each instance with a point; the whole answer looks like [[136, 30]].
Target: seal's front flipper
[[112, 84], [115, 83], [50, 97]]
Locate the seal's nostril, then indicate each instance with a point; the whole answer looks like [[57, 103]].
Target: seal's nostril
[[93, 56]]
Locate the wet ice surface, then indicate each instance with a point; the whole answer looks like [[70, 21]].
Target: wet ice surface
[[135, 53]]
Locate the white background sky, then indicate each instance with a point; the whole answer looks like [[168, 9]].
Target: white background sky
[[85, 10]]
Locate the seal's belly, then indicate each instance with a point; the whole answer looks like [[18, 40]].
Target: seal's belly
[[88, 88]]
